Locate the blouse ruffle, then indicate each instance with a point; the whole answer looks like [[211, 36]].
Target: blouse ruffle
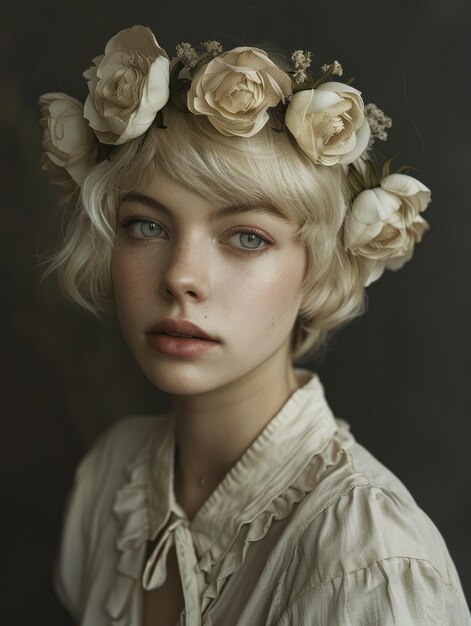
[[131, 507], [220, 546], [233, 557]]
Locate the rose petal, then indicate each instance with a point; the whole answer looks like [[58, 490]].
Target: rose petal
[[328, 123], [128, 85], [338, 87], [154, 98], [404, 185], [68, 141], [371, 209], [297, 110], [97, 121], [376, 270], [322, 100], [362, 140], [235, 89], [136, 38]]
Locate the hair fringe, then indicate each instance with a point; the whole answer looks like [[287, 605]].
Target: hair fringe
[[267, 166]]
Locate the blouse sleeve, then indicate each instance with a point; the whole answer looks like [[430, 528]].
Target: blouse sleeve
[[397, 591], [70, 563], [87, 525]]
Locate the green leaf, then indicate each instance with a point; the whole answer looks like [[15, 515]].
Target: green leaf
[[179, 93], [278, 118], [355, 177], [159, 119], [323, 79], [203, 59], [355, 186], [387, 166], [405, 168], [104, 151], [176, 69], [310, 84], [372, 178]]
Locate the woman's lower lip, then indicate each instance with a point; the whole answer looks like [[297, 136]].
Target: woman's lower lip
[[179, 346]]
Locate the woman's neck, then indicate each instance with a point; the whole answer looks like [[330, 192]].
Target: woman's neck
[[214, 429]]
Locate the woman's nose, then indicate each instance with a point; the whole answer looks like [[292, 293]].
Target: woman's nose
[[185, 272]]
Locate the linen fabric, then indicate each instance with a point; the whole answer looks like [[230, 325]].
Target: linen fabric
[[307, 528]]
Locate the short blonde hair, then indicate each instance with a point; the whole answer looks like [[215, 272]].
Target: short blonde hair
[[267, 166]]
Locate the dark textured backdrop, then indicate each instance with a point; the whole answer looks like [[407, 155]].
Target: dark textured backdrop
[[400, 375]]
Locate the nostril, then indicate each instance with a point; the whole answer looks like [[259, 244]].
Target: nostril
[[189, 292], [173, 287]]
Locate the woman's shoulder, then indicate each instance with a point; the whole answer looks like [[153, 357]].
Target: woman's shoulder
[[105, 465], [361, 537], [90, 521], [358, 514]]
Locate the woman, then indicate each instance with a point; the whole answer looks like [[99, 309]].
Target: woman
[[227, 207]]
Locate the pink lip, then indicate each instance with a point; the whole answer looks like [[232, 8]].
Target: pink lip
[[179, 327], [160, 338]]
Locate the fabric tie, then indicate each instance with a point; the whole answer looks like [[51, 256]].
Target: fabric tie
[[192, 578]]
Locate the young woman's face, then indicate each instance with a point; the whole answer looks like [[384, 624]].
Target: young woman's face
[[237, 276]]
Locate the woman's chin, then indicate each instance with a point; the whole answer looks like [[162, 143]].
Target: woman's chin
[[181, 379]]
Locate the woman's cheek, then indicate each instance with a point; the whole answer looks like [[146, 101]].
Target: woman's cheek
[[264, 300]]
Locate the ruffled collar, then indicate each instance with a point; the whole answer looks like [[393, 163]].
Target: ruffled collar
[[263, 485]]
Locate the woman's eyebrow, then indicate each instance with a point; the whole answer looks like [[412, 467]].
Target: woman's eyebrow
[[234, 209]]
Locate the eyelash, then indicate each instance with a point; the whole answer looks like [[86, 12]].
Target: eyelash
[[126, 223]]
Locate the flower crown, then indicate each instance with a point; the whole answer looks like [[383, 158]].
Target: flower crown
[[239, 91]]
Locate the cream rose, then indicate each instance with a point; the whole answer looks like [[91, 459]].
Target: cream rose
[[384, 223], [236, 88], [128, 85], [329, 123], [68, 140]]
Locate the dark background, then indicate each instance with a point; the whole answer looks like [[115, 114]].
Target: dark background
[[400, 374]]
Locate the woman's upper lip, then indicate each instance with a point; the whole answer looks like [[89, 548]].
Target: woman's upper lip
[[179, 327]]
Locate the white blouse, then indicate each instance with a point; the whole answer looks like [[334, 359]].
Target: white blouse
[[307, 528]]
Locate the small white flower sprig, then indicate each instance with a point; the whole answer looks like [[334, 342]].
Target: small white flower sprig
[[301, 62], [378, 121]]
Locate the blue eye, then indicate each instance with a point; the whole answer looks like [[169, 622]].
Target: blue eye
[[252, 240], [149, 229], [141, 229]]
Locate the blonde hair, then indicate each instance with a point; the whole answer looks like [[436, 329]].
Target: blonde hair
[[267, 166]]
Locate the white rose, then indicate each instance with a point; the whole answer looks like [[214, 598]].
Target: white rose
[[68, 141], [235, 90], [329, 123], [128, 85], [384, 224]]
